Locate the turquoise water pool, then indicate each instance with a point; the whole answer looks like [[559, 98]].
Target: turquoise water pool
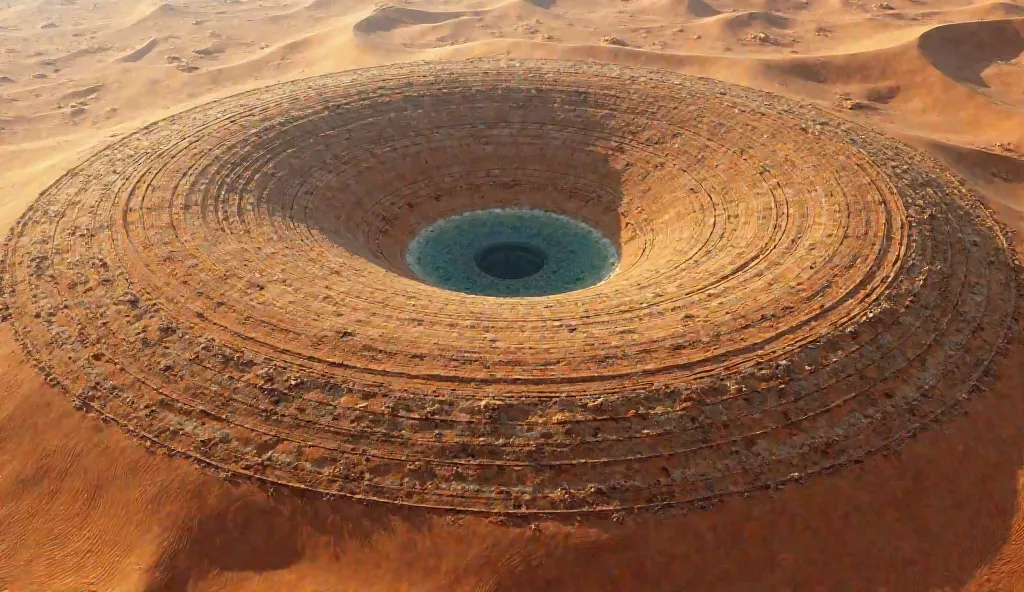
[[511, 253]]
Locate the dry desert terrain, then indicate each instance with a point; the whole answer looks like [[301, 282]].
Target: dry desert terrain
[[84, 505]]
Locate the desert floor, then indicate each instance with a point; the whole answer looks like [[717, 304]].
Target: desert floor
[[84, 507]]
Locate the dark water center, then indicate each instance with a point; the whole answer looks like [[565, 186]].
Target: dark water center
[[510, 261]]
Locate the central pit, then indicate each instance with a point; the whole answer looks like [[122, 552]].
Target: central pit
[[510, 261], [511, 252]]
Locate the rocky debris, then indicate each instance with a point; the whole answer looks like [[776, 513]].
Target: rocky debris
[[614, 41], [882, 94], [762, 38], [851, 104], [208, 51]]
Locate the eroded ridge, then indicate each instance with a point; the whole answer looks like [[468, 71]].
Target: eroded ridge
[[793, 293]]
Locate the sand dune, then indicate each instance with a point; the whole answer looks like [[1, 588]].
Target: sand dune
[[143, 51], [740, 22], [85, 507], [963, 51], [82, 93], [677, 9], [978, 12], [148, 17], [390, 18]]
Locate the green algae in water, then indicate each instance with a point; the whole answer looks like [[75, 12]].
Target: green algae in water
[[511, 253]]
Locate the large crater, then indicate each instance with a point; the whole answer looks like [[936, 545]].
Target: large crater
[[791, 291]]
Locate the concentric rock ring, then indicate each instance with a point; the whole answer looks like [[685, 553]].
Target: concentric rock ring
[[793, 293]]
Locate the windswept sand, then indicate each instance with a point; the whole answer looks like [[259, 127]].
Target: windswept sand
[[85, 507]]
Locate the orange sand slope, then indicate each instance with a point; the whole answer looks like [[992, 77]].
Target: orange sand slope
[[85, 507]]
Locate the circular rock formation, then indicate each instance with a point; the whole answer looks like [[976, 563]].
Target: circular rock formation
[[793, 291]]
